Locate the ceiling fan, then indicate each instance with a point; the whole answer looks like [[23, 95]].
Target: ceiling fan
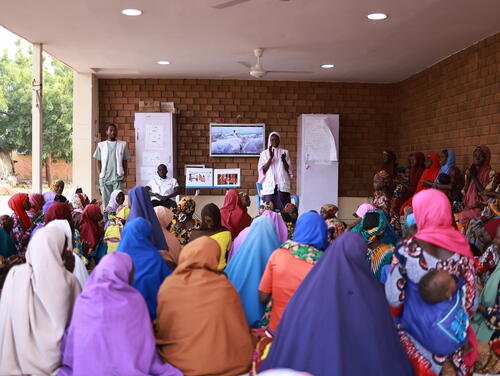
[[258, 70], [232, 3]]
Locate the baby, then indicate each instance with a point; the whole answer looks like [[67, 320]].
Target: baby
[[437, 285]]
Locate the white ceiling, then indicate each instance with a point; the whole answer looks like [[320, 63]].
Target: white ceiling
[[203, 42]]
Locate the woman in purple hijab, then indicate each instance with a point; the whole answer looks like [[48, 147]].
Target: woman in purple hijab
[[140, 206], [110, 331], [338, 321]]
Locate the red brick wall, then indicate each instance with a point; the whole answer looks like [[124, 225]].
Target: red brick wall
[[454, 104], [367, 113], [59, 169]]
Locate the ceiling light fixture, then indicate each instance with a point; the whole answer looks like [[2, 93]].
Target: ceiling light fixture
[[132, 12], [377, 16], [164, 62], [327, 66]]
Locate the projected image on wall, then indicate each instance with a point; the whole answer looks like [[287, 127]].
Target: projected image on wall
[[228, 140]]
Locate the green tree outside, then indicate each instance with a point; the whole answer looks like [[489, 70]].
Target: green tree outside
[[15, 107]]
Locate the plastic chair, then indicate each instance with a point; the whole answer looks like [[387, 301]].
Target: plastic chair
[[295, 198]]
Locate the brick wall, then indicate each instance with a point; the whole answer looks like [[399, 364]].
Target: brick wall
[[454, 104], [366, 111]]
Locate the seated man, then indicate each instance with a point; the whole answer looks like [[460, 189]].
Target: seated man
[[161, 188]]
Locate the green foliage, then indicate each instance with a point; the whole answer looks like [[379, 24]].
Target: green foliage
[[15, 105]]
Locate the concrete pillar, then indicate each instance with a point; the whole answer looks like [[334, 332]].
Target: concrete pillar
[[85, 132], [37, 118]]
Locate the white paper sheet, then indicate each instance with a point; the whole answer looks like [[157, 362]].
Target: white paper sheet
[[147, 173], [154, 136], [151, 158], [319, 142], [199, 177]]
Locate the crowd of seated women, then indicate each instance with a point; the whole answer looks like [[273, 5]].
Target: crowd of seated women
[[409, 287]]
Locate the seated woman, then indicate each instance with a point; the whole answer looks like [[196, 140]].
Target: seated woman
[[140, 206], [416, 162], [184, 223], [382, 198], [245, 269], [289, 265], [437, 245], [381, 240], [109, 312], [211, 226], [150, 268], [35, 309], [476, 181], [115, 203], [335, 226], [91, 231], [58, 188], [330, 303], [7, 245], [114, 229], [192, 302], [22, 226], [35, 213], [447, 160], [234, 217], [165, 216], [427, 179]]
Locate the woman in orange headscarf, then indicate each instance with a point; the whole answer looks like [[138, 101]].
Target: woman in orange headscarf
[[201, 328]]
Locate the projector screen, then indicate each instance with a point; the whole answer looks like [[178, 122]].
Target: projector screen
[[237, 140]]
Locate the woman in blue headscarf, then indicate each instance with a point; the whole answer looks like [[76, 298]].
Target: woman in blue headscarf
[[447, 158], [140, 206], [245, 269], [150, 268], [289, 264], [331, 306]]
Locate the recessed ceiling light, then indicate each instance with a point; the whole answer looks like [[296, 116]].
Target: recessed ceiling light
[[377, 16], [327, 66], [164, 62], [132, 12]]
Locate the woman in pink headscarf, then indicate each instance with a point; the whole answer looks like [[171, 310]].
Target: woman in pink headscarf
[[476, 182], [437, 245]]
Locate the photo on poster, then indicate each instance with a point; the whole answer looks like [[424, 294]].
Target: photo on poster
[[227, 178], [199, 177]]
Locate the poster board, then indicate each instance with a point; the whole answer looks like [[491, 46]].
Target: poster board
[[154, 137], [199, 177], [227, 178]]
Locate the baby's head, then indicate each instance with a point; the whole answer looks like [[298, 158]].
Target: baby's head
[[436, 286]]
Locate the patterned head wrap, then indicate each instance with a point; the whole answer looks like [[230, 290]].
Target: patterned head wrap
[[186, 206], [330, 210]]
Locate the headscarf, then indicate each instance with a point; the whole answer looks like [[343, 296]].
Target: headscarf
[[150, 268], [283, 372], [78, 203], [212, 212], [46, 206], [235, 245], [390, 166], [384, 227], [49, 196], [311, 230], [186, 206], [363, 208], [165, 217], [58, 210], [80, 271], [384, 178], [330, 305], [330, 209], [410, 220], [201, 327], [491, 227], [482, 173], [140, 206], [433, 215], [450, 162], [110, 332], [245, 269], [72, 192], [416, 171], [35, 308], [112, 204], [36, 201], [7, 246], [90, 231], [233, 216], [16, 203], [430, 173], [279, 223]]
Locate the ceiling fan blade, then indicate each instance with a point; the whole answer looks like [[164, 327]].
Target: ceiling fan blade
[[234, 74], [286, 71], [230, 3], [245, 64]]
